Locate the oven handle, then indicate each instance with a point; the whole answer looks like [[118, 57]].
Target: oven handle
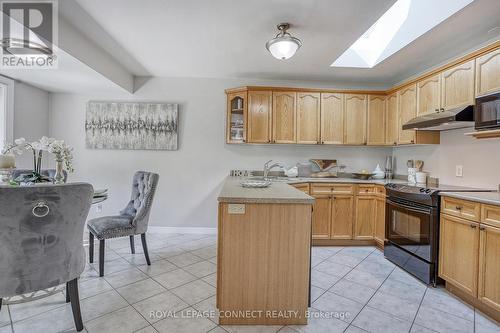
[[412, 209]]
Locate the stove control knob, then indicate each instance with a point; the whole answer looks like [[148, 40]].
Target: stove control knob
[[428, 190], [422, 190]]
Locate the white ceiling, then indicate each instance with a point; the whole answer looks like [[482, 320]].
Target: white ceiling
[[225, 38]]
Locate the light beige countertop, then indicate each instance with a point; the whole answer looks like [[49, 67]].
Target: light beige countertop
[[281, 192], [278, 192], [491, 198]]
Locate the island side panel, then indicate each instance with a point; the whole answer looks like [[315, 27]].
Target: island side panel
[[264, 263]]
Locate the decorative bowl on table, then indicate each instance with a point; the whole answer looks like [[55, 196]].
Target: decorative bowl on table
[[363, 174], [255, 183]]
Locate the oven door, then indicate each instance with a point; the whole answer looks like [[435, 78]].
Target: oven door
[[410, 227], [487, 111]]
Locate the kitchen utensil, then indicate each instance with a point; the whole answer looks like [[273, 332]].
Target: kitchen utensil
[[388, 167], [419, 164], [410, 163]]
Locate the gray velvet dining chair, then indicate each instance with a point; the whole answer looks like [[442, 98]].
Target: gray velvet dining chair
[[41, 239], [132, 220]]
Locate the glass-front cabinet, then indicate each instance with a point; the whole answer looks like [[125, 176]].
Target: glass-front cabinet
[[236, 117]]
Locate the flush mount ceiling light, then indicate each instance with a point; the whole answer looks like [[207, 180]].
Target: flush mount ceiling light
[[284, 45]]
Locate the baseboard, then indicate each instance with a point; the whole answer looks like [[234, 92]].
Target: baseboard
[[183, 230]]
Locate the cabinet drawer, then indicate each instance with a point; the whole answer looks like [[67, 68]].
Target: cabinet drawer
[[490, 215], [380, 190], [461, 208], [366, 189], [318, 188], [302, 187]]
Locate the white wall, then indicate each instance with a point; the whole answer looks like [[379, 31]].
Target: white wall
[[190, 178], [31, 117], [480, 159]]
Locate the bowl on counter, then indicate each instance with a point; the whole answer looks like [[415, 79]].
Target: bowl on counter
[[363, 175]]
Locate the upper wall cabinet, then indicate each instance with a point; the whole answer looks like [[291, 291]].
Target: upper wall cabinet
[[308, 116], [392, 120], [355, 119], [284, 117], [376, 120], [332, 118], [429, 95], [488, 73], [457, 86], [259, 116], [236, 117], [407, 111]]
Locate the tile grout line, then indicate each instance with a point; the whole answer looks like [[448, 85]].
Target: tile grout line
[[419, 305]]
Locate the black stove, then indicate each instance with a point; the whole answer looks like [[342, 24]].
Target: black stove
[[412, 227]]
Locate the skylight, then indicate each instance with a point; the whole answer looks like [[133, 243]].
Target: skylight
[[404, 22]]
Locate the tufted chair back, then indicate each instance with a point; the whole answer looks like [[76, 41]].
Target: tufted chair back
[[143, 190], [41, 235]]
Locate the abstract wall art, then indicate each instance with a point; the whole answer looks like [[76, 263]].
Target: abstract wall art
[[131, 125]]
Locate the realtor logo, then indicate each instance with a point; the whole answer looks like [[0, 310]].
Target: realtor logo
[[29, 34]]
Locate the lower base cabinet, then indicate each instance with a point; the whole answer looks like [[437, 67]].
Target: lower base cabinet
[[489, 266], [321, 217], [364, 221], [341, 222], [380, 221], [458, 252]]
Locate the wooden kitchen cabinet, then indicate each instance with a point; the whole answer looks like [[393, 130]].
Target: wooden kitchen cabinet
[[321, 217], [284, 117], [488, 73], [355, 119], [376, 120], [380, 221], [304, 187], [457, 86], [332, 118], [489, 266], [392, 120], [236, 117], [407, 111], [429, 95], [458, 253], [259, 116], [341, 216], [364, 220], [308, 118]]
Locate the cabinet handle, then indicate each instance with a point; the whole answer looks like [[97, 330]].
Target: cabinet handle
[[458, 208], [244, 140], [437, 110], [442, 109], [473, 226], [268, 141], [412, 141], [482, 228]]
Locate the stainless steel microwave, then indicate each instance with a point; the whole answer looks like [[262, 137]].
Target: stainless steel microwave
[[487, 112]]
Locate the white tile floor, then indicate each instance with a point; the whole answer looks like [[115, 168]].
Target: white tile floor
[[365, 292]]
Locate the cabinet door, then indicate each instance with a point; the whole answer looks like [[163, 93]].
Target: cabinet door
[[308, 113], [392, 120], [342, 213], [321, 217], [332, 118], [458, 253], [380, 220], [376, 120], [364, 221], [407, 111], [284, 117], [457, 86], [429, 95], [259, 116], [355, 119], [489, 266], [488, 73], [236, 117]]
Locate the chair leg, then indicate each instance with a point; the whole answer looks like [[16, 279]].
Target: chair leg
[[75, 303], [101, 257], [91, 247], [132, 246], [67, 292], [145, 248]]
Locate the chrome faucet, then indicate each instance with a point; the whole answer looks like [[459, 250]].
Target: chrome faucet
[[268, 168]]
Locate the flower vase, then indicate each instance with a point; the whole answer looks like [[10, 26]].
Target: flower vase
[[59, 175]]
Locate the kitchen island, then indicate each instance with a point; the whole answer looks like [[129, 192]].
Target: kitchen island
[[264, 249]]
